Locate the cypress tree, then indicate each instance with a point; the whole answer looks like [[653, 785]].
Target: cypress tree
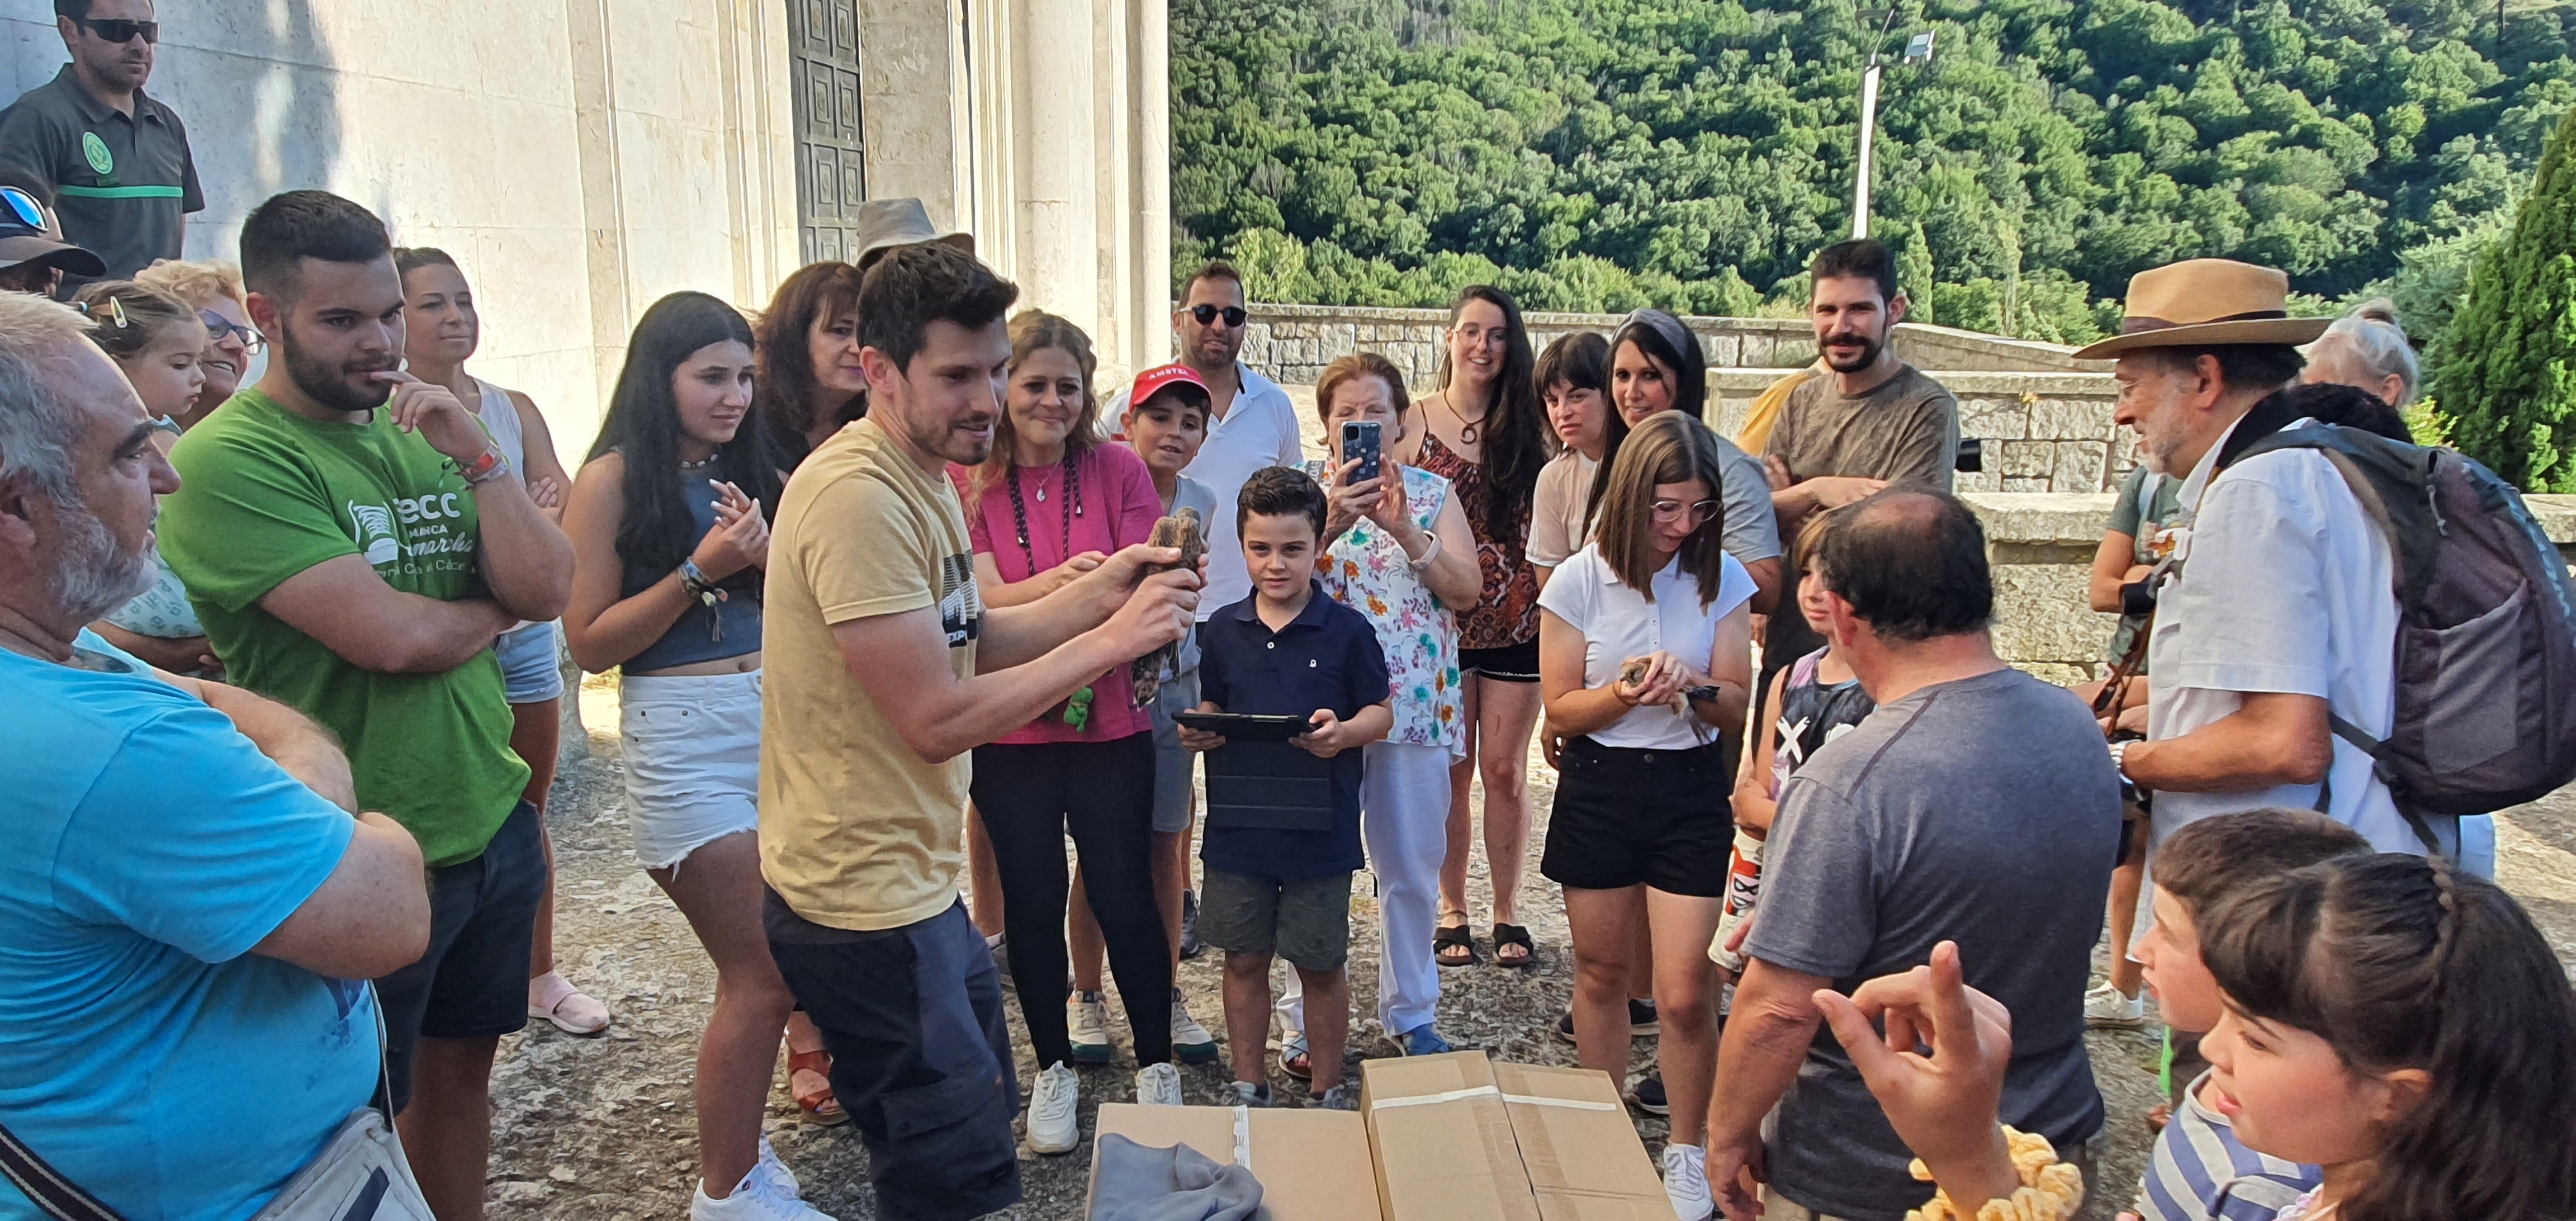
[[1914, 275], [2506, 374]]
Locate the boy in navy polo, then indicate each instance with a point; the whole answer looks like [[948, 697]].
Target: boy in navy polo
[[1288, 651]]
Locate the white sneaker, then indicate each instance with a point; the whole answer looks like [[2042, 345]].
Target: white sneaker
[[1158, 1085], [1190, 1041], [1052, 1128], [2104, 1006], [1686, 1182], [758, 1197], [1086, 1019], [777, 1170]]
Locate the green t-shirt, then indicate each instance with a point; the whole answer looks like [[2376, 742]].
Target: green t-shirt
[[2140, 512], [266, 494]]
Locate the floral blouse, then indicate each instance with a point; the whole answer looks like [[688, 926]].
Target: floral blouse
[[1507, 613], [1366, 570]]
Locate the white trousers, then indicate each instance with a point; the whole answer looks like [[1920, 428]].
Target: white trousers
[[1404, 820]]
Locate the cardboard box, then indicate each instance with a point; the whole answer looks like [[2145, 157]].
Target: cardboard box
[[1461, 1138], [1311, 1163]]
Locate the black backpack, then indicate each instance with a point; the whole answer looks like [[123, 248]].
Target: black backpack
[[2486, 629]]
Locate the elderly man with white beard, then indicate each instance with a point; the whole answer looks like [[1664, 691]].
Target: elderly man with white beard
[[186, 887]]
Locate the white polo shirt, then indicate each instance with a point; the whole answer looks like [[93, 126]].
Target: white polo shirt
[[2285, 585], [1259, 430], [1618, 623]]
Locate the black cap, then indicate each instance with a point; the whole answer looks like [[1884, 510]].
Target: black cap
[[29, 234]]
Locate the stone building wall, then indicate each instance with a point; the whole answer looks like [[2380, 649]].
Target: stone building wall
[[2043, 432]]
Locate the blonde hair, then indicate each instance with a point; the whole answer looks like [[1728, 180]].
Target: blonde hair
[[194, 282], [131, 317], [1032, 332]]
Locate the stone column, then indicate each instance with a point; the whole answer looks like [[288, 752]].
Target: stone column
[[1056, 220], [1149, 290]]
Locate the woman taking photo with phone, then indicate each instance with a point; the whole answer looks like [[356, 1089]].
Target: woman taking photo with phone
[[1398, 549], [670, 535], [1646, 659], [1483, 431]]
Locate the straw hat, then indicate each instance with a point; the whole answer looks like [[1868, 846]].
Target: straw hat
[[880, 225], [2201, 303]]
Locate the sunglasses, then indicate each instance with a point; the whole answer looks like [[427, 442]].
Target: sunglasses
[[218, 326], [1233, 314], [110, 29], [22, 208]]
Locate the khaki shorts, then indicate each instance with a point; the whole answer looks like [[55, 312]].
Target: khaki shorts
[[1307, 921]]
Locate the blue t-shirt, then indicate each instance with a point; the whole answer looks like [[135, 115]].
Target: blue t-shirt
[[148, 1055], [1327, 657]]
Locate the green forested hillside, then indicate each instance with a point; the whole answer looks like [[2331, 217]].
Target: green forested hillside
[[1604, 154]]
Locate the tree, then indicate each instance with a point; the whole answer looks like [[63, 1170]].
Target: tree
[[1914, 274], [2507, 379]]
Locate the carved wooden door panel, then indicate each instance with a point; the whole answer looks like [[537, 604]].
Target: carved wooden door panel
[[831, 162]]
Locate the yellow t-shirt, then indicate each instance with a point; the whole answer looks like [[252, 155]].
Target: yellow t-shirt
[[856, 831]]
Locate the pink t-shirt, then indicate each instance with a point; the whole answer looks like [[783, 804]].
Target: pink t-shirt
[[1118, 508]]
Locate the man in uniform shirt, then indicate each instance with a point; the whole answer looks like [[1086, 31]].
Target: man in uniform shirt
[[112, 162]]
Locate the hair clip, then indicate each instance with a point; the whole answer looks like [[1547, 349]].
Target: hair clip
[[116, 310]]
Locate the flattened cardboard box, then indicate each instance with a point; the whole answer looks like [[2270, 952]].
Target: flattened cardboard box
[[1461, 1138], [1312, 1163]]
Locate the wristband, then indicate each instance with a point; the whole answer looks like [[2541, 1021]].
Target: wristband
[[1424, 564], [484, 469], [694, 579], [2120, 758]]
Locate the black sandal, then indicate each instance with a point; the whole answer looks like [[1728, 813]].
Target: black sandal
[[1453, 937], [1513, 934]]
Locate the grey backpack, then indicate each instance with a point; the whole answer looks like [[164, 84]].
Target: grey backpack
[[2486, 630]]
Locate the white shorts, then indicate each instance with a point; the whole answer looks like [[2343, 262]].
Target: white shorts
[[692, 761]]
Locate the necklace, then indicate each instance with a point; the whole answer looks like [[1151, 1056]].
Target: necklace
[[1076, 709], [700, 465], [1466, 427]]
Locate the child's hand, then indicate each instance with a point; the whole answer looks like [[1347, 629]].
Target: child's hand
[[1200, 739], [1328, 738]]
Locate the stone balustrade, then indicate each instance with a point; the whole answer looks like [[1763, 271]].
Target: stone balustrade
[[2043, 431]]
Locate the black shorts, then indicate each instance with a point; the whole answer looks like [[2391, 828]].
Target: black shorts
[[920, 1056], [1626, 817], [472, 982], [1512, 663]]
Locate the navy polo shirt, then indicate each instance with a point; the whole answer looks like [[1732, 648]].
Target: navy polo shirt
[[120, 185], [1327, 657]]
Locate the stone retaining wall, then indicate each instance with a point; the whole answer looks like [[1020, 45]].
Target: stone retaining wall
[[1291, 344]]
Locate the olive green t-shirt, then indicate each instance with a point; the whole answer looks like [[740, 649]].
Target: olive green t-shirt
[[266, 494]]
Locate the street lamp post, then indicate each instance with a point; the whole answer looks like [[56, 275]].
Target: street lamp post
[[1918, 49]]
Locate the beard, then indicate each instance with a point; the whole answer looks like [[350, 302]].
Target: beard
[[948, 442], [95, 576], [1869, 350], [327, 383]]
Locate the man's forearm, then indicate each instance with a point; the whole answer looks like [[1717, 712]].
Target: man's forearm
[[2273, 739], [525, 558], [1758, 1056], [439, 636], [995, 702], [293, 741], [1014, 636]]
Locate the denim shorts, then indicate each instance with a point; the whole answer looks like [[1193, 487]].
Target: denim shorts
[[692, 746], [531, 669]]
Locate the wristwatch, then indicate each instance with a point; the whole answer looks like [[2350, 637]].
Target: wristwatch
[[484, 469]]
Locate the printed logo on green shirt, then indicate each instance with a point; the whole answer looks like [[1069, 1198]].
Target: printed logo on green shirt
[[376, 533], [96, 150]]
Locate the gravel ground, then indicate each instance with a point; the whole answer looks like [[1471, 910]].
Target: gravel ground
[[601, 1130]]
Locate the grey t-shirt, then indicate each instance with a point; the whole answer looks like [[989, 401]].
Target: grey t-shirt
[[1982, 811], [1903, 430]]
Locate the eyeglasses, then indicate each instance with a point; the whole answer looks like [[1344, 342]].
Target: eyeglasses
[[1669, 511], [23, 208], [110, 29], [1206, 314], [218, 326]]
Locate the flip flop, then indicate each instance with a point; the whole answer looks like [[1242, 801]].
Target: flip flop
[[552, 997], [1453, 946]]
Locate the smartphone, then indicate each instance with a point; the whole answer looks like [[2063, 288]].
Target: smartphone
[[1360, 439]]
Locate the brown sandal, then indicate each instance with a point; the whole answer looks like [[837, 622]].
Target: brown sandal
[[819, 1107]]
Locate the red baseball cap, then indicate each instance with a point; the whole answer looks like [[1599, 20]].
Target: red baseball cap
[[1163, 377]]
